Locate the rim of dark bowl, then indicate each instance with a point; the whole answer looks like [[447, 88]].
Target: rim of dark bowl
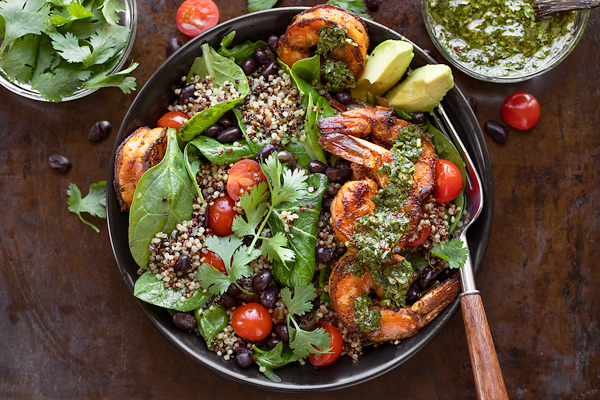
[[151, 103]]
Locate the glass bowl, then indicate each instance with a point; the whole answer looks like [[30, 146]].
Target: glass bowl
[[564, 46], [128, 19]]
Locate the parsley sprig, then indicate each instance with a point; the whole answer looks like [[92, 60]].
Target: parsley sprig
[[284, 185], [454, 252], [94, 203]]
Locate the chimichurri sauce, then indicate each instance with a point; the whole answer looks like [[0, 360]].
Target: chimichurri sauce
[[336, 74], [498, 37]]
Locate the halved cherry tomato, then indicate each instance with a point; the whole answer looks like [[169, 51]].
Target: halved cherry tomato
[[424, 235], [521, 110], [243, 176], [252, 321], [448, 181], [322, 359], [221, 215], [172, 119], [196, 16], [213, 259]]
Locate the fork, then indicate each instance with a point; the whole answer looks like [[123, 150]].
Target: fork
[[489, 382], [543, 8]]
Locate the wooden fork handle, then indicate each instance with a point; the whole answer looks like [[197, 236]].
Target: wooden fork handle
[[486, 369]]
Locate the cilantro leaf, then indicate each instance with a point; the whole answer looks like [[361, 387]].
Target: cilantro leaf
[[110, 9], [304, 342], [94, 203], [294, 182], [275, 248], [454, 252], [73, 12], [68, 47], [22, 17], [301, 303], [119, 79], [356, 6], [19, 62], [253, 203], [63, 82], [103, 48]]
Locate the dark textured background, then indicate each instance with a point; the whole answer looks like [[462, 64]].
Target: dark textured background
[[70, 329]]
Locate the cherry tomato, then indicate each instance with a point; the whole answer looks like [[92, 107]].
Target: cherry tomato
[[424, 235], [448, 181], [322, 359], [521, 110], [214, 260], [196, 16], [221, 215], [243, 176], [172, 119], [252, 321]]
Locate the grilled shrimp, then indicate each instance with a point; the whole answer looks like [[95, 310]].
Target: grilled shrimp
[[395, 323], [303, 34], [142, 150]]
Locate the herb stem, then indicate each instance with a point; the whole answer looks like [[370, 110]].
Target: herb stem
[[242, 289], [260, 230]]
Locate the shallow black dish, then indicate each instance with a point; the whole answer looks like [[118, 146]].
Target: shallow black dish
[[151, 103]]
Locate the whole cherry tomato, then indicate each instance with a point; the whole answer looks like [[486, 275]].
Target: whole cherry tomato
[[424, 235], [448, 181], [213, 259], [243, 176], [173, 119], [221, 215], [521, 110], [196, 16], [252, 321], [322, 359]]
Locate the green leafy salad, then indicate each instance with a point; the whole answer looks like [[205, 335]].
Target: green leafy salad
[[232, 230], [61, 46]]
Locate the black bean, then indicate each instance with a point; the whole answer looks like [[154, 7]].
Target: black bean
[[308, 322], [269, 297], [173, 45], [323, 254], [59, 163], [246, 283], [187, 93], [99, 131], [427, 278], [204, 218], [333, 189], [229, 135], [343, 96], [373, 5], [316, 166], [261, 56], [497, 131], [234, 290], [213, 130], [273, 42], [184, 321], [412, 294], [336, 174], [418, 118], [228, 300], [225, 122], [472, 103], [326, 203], [265, 152], [183, 264], [243, 357], [269, 69], [272, 342], [249, 65], [261, 280], [344, 166], [285, 156], [281, 330]]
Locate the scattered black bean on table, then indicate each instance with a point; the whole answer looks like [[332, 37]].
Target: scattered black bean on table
[[172, 46], [100, 130], [497, 131], [59, 163]]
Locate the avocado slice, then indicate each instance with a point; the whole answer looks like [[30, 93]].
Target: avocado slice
[[385, 66], [423, 88]]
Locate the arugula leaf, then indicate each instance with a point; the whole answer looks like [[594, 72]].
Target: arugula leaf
[[236, 259], [110, 9], [119, 79], [454, 252], [259, 5], [94, 203], [22, 17], [151, 290], [241, 51], [356, 6], [19, 62]]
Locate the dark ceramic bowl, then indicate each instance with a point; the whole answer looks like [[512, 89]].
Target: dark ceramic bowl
[[151, 102]]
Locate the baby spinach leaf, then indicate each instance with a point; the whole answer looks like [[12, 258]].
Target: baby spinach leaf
[[222, 70], [275, 358], [150, 213], [254, 146], [211, 322], [241, 51], [219, 153], [151, 290], [192, 166], [302, 233]]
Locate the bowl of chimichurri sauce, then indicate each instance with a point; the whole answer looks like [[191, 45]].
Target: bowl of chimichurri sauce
[[499, 40]]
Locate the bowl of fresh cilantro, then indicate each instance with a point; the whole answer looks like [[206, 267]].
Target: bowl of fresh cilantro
[[64, 50]]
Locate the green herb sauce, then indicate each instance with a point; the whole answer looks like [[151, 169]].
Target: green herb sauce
[[336, 74], [394, 280], [365, 316], [499, 37]]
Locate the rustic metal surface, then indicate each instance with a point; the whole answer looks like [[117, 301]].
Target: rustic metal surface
[[70, 329]]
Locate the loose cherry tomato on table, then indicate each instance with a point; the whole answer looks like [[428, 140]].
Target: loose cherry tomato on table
[[521, 110], [322, 359], [196, 16], [252, 321], [173, 119], [243, 176], [221, 215], [448, 181], [424, 234], [213, 259]]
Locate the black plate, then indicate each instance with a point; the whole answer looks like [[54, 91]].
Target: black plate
[[151, 103]]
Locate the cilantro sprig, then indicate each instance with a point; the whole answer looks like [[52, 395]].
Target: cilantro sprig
[[284, 185], [454, 252], [235, 256], [94, 203]]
